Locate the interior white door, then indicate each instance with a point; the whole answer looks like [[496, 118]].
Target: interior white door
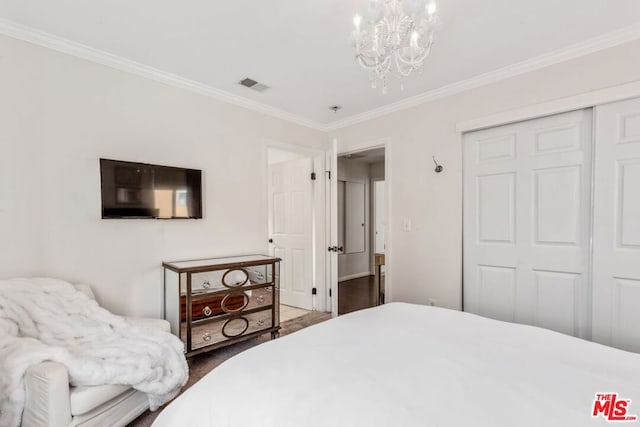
[[290, 229], [527, 192], [379, 215], [354, 217], [616, 231]]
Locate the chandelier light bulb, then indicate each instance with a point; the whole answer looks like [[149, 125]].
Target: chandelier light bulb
[[357, 20], [414, 39], [431, 8]]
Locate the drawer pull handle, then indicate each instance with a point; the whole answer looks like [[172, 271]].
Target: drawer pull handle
[[207, 311], [235, 278], [260, 299], [240, 327], [230, 305], [206, 337], [260, 322], [206, 284]]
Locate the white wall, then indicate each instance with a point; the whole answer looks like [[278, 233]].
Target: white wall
[[276, 155], [351, 265], [60, 114], [426, 262], [376, 170]]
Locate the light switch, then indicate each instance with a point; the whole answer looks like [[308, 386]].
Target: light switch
[[406, 224]]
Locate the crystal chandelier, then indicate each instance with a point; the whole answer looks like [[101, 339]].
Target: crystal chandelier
[[392, 32]]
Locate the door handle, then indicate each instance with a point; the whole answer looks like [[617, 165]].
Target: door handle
[[270, 240]]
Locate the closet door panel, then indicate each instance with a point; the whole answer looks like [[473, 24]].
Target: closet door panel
[[628, 203], [491, 224], [616, 231], [527, 201], [496, 208], [557, 296]]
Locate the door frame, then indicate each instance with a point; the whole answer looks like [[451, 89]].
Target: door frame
[[320, 300], [388, 152]]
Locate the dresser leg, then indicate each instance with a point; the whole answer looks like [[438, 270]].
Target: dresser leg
[[275, 334]]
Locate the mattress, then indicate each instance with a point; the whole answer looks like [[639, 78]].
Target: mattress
[[411, 365]]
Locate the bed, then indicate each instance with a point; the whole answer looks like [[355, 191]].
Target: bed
[[411, 365]]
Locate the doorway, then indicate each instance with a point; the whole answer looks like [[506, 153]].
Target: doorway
[[361, 229], [295, 213]]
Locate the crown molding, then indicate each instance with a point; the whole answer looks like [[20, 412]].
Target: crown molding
[[31, 35], [34, 36], [605, 41], [591, 99]]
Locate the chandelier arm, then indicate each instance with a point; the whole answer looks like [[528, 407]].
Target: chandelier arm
[[416, 59]]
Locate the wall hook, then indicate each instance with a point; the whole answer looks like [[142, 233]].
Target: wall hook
[[438, 168]]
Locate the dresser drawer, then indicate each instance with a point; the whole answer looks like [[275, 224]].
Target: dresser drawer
[[259, 274], [207, 281], [210, 306], [234, 278], [260, 297], [213, 332], [203, 306]]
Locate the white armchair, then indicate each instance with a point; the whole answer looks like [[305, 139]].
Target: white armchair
[[52, 402]]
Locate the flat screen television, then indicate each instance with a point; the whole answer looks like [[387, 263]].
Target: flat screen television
[[140, 190]]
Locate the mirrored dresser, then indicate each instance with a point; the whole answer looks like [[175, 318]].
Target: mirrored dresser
[[211, 303]]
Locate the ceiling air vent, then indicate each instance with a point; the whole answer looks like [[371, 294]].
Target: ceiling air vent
[[253, 85]]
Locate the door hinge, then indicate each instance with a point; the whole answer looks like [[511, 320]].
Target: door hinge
[[313, 176], [329, 174], [314, 291], [329, 291]]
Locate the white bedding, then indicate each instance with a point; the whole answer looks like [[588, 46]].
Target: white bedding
[[409, 365]]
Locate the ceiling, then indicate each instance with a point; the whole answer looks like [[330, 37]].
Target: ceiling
[[375, 155], [302, 48]]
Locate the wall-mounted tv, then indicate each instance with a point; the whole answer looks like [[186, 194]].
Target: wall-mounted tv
[[140, 190]]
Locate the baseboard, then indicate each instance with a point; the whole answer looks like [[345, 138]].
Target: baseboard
[[353, 276]]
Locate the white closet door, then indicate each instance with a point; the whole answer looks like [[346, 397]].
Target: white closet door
[[527, 192], [616, 235]]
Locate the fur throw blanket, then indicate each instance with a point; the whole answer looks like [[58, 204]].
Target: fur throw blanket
[[48, 319]]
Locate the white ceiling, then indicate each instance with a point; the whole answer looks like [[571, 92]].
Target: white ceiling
[[302, 48], [375, 155]]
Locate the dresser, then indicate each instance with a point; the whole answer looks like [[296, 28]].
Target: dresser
[[214, 302]]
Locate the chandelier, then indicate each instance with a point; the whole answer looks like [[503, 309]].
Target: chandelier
[[394, 37]]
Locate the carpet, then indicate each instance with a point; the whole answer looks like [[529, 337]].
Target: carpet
[[201, 364]]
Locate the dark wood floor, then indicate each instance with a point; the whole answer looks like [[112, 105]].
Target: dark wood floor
[[357, 294]]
